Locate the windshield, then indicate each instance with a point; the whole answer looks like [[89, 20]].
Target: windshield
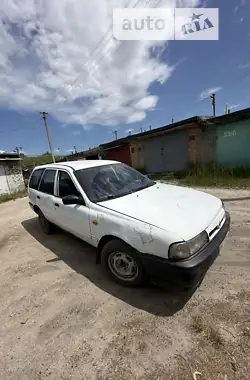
[[101, 183]]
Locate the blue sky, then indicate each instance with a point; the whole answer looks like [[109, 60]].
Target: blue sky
[[169, 87]]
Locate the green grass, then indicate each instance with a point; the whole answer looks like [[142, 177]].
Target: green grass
[[227, 182], [209, 175], [11, 197], [38, 160]]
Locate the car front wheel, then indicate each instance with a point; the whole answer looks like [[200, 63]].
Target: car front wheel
[[122, 263]]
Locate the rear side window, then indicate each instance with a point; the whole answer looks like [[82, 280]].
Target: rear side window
[[35, 178], [47, 182]]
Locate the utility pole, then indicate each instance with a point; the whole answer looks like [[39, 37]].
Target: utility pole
[[44, 116], [172, 121], [141, 130], [115, 133], [150, 128], [213, 104], [75, 149]]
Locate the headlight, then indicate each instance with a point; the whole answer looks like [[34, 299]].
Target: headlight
[[198, 242], [184, 250], [179, 251]]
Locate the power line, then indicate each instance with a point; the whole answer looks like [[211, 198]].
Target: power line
[[119, 45], [103, 55], [95, 48], [109, 30]]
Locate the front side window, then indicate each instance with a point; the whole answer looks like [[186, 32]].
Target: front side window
[[35, 178], [66, 185], [105, 182], [47, 182]]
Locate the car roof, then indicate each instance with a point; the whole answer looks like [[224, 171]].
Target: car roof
[[77, 165]]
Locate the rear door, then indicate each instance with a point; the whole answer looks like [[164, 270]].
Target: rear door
[[34, 183], [72, 218], [45, 198]]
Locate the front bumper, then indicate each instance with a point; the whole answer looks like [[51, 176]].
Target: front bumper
[[189, 272]]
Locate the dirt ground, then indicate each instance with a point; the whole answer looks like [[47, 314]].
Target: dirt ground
[[60, 318]]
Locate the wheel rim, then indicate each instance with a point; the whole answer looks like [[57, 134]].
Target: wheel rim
[[123, 266]]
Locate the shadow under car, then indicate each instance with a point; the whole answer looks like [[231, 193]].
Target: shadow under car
[[81, 257]]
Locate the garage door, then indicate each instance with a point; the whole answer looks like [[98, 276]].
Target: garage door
[[167, 153], [4, 188], [153, 158]]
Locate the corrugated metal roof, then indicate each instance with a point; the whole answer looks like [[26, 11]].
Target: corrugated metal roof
[[233, 116], [126, 140]]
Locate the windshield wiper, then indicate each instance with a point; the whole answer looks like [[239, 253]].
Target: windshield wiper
[[145, 186], [107, 198]]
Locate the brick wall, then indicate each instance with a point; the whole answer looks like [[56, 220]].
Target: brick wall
[[202, 144], [195, 141]]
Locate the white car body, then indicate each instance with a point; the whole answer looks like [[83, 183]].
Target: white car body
[[149, 220]]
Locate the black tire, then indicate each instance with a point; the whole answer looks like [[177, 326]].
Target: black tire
[[117, 257], [46, 226]]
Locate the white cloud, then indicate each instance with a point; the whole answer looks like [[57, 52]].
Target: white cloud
[[48, 45], [241, 19], [242, 3], [233, 106], [147, 102], [245, 66], [208, 92], [136, 116]]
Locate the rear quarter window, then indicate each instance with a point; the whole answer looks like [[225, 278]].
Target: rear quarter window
[[35, 178]]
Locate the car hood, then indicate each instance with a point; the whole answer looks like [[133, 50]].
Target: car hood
[[183, 211]]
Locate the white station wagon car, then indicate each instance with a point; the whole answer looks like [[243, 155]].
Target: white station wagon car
[[142, 229]]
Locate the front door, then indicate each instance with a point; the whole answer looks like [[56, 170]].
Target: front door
[[72, 218]]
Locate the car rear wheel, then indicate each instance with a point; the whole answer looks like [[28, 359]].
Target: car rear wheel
[[46, 226], [122, 263]]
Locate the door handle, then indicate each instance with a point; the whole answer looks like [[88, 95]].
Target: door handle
[[38, 197], [56, 204]]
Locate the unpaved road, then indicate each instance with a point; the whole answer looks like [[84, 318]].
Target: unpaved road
[[60, 318]]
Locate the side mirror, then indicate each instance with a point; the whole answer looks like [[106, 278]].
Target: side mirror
[[73, 200]]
